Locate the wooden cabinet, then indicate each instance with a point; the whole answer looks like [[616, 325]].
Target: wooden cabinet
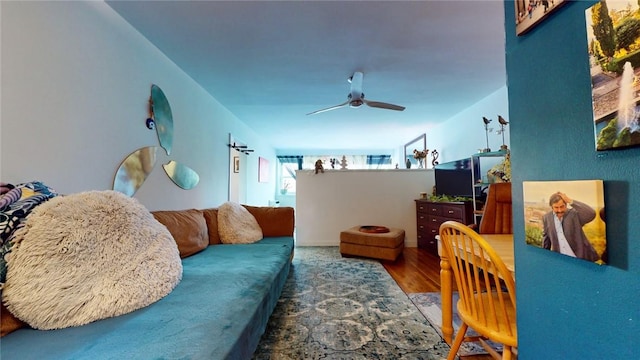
[[429, 216]]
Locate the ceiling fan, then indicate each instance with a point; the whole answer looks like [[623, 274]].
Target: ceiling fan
[[356, 97]]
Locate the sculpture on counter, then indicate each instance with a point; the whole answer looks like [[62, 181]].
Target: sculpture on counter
[[503, 123], [319, 166], [434, 155], [486, 130]]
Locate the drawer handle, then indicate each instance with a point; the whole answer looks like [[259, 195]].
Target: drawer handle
[[434, 220], [421, 207], [421, 227], [450, 211], [434, 210], [421, 217]]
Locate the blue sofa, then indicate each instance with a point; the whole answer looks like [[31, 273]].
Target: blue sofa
[[219, 310]]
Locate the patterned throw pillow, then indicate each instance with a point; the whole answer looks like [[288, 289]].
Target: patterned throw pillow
[[16, 203]]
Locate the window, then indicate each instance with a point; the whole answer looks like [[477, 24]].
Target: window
[[287, 173], [288, 178]]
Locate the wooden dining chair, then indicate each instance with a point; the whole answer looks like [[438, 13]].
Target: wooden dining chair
[[497, 214], [486, 288]]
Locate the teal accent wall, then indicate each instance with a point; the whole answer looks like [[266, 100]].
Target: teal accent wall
[[569, 308]]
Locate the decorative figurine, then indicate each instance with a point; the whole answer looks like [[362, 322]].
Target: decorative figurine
[[434, 155], [319, 166], [486, 130], [503, 123]]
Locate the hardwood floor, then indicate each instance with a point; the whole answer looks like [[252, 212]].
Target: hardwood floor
[[416, 271], [419, 271]]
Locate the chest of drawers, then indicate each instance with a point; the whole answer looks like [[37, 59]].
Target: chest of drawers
[[429, 216]]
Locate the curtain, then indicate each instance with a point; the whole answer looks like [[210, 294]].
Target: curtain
[[291, 159], [378, 160]]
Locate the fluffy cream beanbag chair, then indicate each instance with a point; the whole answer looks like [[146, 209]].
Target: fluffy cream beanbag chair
[[88, 256]]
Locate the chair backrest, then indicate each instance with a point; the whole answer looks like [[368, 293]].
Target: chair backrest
[[497, 215], [478, 270]]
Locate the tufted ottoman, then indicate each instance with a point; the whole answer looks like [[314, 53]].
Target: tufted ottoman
[[377, 245]]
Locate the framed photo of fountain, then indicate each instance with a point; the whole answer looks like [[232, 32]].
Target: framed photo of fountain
[[613, 47], [566, 217]]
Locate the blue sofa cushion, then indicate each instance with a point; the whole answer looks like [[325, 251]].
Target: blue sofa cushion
[[218, 311]]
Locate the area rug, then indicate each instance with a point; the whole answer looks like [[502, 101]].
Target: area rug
[[430, 306], [345, 308]]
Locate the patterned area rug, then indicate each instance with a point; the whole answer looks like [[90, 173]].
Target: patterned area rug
[[430, 306], [345, 308]]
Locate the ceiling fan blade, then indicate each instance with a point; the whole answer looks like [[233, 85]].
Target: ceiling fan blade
[[330, 108], [381, 105]]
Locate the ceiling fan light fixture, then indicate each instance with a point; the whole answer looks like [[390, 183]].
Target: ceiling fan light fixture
[[356, 103]]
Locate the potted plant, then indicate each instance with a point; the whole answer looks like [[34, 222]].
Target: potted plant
[[501, 172], [420, 156], [285, 188]]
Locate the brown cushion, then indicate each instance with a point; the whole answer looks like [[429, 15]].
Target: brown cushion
[[8, 322], [274, 221], [188, 228], [211, 216]]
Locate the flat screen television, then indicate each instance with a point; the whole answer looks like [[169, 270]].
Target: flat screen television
[[455, 178]]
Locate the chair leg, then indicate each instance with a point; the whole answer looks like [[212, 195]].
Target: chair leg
[[462, 332], [506, 353], [491, 351]]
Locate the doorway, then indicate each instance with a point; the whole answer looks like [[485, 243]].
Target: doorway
[[237, 171]]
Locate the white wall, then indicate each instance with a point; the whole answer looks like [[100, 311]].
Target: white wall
[[463, 134], [76, 81], [455, 138], [334, 201], [339, 199]]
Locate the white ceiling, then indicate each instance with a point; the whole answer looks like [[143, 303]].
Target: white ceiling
[[272, 62]]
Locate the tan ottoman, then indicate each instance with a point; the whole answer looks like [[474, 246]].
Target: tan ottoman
[[384, 246]]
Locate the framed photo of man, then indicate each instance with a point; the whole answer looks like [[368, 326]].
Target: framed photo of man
[[566, 217]]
